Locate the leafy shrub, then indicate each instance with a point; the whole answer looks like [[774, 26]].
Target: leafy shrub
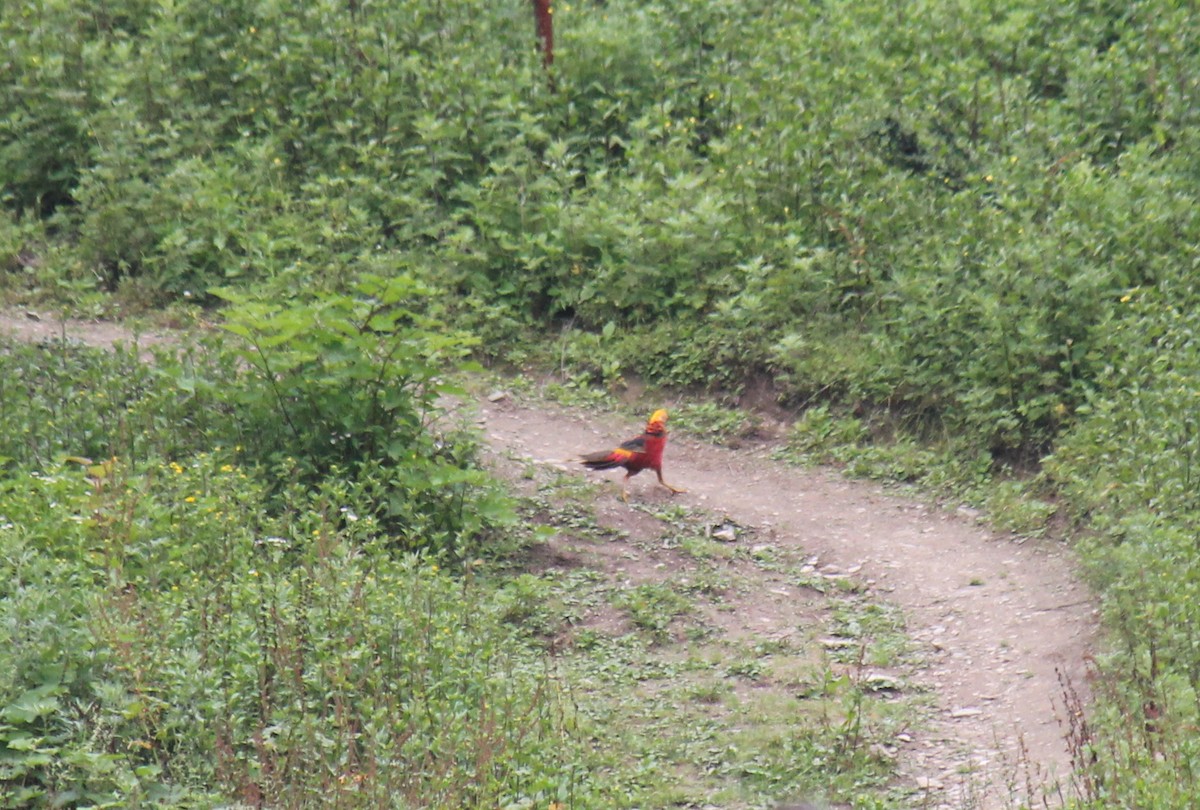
[[347, 386], [167, 640], [197, 223], [741, 188], [60, 399], [181, 624], [344, 386], [343, 378], [1126, 470], [1012, 506], [45, 94], [819, 432]]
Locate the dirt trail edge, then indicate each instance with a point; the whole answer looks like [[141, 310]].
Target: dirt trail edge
[[996, 620]]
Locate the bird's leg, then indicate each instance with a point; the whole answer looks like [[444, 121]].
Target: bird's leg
[[675, 490], [625, 488]]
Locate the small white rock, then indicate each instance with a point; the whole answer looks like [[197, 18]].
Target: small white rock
[[726, 533], [880, 682]]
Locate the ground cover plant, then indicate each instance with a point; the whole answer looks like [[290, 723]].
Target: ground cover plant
[[968, 229], [190, 619], [680, 701]]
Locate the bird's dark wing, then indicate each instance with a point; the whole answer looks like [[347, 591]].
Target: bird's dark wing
[[637, 445]]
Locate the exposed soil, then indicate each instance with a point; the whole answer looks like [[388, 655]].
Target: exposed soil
[[33, 327], [999, 622]]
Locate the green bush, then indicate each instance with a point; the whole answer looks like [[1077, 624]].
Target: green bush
[[347, 386], [184, 623], [60, 399], [739, 192], [165, 640], [1127, 472]]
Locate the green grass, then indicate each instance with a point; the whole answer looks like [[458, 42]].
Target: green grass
[[672, 707]]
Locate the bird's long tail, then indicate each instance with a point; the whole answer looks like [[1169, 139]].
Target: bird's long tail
[[600, 461]]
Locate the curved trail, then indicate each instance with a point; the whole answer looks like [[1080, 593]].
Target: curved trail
[[995, 620]]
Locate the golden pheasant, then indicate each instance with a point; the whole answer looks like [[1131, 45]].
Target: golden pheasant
[[642, 453]]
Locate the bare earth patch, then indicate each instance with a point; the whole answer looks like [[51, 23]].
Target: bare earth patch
[[998, 622], [33, 327]]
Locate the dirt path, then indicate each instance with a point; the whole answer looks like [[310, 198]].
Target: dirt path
[[32, 326], [996, 620]]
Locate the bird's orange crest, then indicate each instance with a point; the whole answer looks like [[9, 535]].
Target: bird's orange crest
[[659, 418]]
